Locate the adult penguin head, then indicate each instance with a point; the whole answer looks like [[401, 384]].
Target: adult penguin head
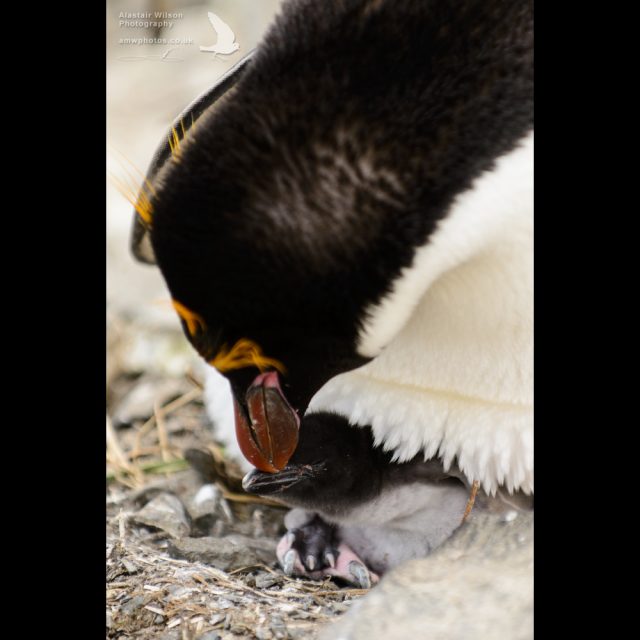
[[284, 214]]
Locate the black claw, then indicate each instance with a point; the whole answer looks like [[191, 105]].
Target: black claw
[[313, 542], [360, 574], [289, 561]]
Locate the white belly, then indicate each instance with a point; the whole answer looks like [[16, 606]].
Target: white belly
[[453, 343]]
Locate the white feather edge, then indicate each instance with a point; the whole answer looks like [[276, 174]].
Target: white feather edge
[[493, 443]]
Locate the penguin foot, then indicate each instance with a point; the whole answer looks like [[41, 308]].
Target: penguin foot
[[312, 550]]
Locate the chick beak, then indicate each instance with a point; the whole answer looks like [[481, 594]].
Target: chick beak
[[261, 483], [267, 431]]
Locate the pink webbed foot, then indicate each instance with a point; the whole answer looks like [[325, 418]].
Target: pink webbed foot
[[311, 551]]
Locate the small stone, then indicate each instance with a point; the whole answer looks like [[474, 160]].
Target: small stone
[[204, 505], [176, 592], [265, 580], [265, 549], [237, 629], [226, 510], [257, 519], [208, 493], [209, 635], [165, 512], [132, 605], [204, 525], [510, 516], [139, 403], [302, 615], [109, 620], [278, 627], [129, 566], [158, 619], [221, 553]]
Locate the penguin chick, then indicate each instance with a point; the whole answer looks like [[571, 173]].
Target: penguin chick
[[356, 506]]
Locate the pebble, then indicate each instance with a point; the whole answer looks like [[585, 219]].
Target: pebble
[[302, 615], [203, 508], [129, 566], [138, 404], [278, 627], [265, 580], [176, 592], [265, 549], [167, 513], [215, 619], [257, 519], [132, 605], [221, 553], [206, 493], [204, 525]]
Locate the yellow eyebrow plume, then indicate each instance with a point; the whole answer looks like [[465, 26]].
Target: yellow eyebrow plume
[[136, 190], [244, 353], [140, 201], [191, 318], [175, 140]]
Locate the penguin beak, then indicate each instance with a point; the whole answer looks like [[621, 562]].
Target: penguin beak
[[261, 483], [267, 430]]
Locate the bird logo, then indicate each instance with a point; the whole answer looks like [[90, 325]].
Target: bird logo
[[225, 44]]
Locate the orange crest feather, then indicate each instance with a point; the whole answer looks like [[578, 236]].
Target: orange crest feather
[[193, 320], [244, 353], [137, 190]]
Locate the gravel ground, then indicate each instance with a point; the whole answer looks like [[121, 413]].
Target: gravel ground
[[189, 554]]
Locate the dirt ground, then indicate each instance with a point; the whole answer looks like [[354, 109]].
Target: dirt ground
[[189, 554]]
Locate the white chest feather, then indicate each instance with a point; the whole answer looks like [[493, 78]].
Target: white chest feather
[[452, 373]]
